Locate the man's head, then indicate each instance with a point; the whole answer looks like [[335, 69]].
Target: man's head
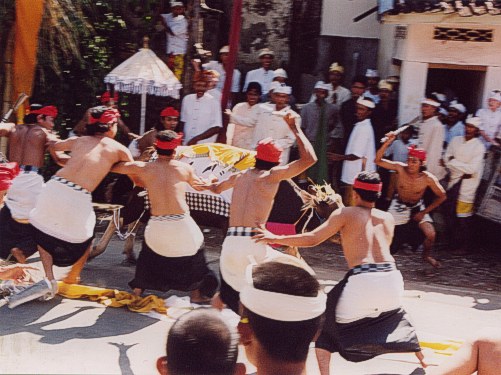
[[494, 100], [358, 86], [253, 93], [364, 108], [372, 76], [266, 57], [224, 52], [281, 95], [200, 342], [336, 73], [167, 142], [201, 85], [169, 118], [177, 8], [41, 115], [429, 108], [280, 75], [367, 187], [267, 154], [102, 121], [282, 312], [406, 135], [321, 90], [416, 159], [385, 89], [472, 127]]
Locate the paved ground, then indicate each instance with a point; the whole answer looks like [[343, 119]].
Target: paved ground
[[65, 336]]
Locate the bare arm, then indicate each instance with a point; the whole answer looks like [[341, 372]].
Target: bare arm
[[438, 190], [333, 224], [306, 159], [387, 164], [57, 150], [6, 129], [218, 188]]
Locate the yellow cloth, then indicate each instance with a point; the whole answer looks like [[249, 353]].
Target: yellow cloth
[[464, 209], [239, 158], [446, 347], [113, 298], [176, 63]]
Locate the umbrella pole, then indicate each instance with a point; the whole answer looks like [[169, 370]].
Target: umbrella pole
[[143, 114]]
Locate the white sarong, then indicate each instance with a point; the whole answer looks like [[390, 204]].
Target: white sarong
[[64, 211], [23, 194], [402, 212], [173, 235]]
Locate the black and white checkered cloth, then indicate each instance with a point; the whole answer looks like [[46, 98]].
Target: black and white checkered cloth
[[241, 231], [70, 184], [373, 267], [210, 203]]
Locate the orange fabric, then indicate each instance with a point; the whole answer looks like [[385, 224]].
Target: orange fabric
[[28, 20]]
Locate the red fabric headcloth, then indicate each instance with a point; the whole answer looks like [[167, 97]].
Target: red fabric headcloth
[[169, 112], [417, 153], [7, 173], [106, 97], [367, 186], [108, 116], [169, 145], [48, 110], [267, 150]]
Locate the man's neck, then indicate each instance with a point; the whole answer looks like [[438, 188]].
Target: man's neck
[[279, 107], [428, 117], [268, 366], [468, 137]]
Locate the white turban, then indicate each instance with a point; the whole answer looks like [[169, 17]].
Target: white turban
[[366, 102], [283, 90]]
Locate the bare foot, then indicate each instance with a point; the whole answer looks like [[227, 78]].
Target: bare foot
[[420, 357], [217, 302], [71, 279], [19, 255], [435, 263]]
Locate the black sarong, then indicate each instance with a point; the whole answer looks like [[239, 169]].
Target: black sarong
[[15, 235], [366, 338]]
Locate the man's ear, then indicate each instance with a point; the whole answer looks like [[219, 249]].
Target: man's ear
[[239, 369], [246, 334], [162, 366]]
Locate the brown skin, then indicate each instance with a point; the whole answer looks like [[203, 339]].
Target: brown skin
[[411, 185], [266, 61], [372, 83], [493, 105], [148, 139], [335, 78], [357, 89], [320, 95], [281, 101], [428, 111]]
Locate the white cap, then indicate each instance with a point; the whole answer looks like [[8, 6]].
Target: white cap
[[274, 85], [439, 96], [385, 85], [322, 85], [372, 73], [266, 51], [443, 111], [475, 121], [335, 67], [458, 107], [431, 102], [176, 4], [280, 73], [225, 49], [393, 79], [283, 90], [366, 102], [496, 95]]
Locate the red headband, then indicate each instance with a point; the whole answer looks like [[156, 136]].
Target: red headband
[[417, 153], [107, 117], [367, 186], [169, 145], [49, 110], [267, 150], [106, 97], [169, 112]]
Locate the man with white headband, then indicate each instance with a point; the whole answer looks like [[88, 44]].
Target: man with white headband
[[364, 316], [454, 125], [491, 120], [360, 151], [283, 308], [431, 137]]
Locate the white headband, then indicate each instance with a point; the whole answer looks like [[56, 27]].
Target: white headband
[[367, 103], [283, 90], [280, 306], [431, 102]]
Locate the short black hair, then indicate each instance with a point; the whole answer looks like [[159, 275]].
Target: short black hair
[[31, 118], [98, 127], [254, 86], [359, 79], [264, 165], [200, 342], [284, 341], [369, 178], [166, 136]]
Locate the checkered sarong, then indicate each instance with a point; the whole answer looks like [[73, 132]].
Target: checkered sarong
[[241, 231], [210, 203], [373, 267], [70, 184]]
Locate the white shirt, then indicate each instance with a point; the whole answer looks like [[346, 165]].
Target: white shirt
[[215, 93], [468, 159], [200, 115], [240, 133], [491, 123], [218, 67], [361, 144], [177, 43], [261, 76], [431, 139]]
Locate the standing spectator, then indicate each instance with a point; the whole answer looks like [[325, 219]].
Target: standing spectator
[[263, 75], [454, 126], [360, 151], [337, 93], [176, 26], [491, 120], [317, 120], [200, 114], [431, 137], [372, 92], [213, 82], [464, 159], [384, 116], [349, 108], [394, 81], [240, 133], [280, 75]]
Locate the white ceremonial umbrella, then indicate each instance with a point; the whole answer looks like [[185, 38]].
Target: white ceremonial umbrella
[[144, 73]]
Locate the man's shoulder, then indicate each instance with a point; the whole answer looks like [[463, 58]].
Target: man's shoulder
[[253, 72]]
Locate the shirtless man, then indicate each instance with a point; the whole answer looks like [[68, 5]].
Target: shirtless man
[[173, 255], [63, 218], [373, 287], [251, 203], [27, 146], [407, 207]]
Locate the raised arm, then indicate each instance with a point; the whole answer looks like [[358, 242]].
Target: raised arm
[[384, 163], [307, 155]]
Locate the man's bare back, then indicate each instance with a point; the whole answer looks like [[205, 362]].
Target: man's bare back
[[27, 143], [91, 159]]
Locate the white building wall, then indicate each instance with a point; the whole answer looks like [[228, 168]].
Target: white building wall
[[413, 77], [338, 15]]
